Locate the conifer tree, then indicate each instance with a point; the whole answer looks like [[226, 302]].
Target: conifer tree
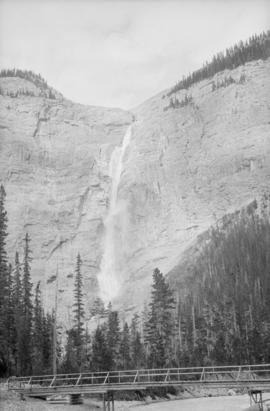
[[72, 360], [47, 348], [78, 310], [27, 307], [124, 349], [10, 323], [18, 314], [113, 338], [101, 359], [136, 346], [78, 304], [4, 274], [160, 325], [38, 334], [17, 290]]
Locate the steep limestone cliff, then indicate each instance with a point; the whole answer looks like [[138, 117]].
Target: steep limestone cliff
[[187, 167], [54, 157], [182, 169]]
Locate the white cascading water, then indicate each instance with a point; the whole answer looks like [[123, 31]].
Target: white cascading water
[[109, 283]]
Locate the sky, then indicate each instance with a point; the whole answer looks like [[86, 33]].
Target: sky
[[118, 53]]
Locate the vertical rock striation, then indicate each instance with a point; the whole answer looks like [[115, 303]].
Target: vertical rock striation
[[189, 166], [54, 163], [181, 170]]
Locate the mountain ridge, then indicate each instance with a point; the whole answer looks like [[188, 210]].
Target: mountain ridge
[[184, 168]]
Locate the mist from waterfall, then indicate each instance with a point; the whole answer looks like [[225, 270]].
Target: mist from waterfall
[[109, 284]]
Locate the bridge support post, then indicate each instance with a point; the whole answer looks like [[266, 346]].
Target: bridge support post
[[75, 399], [108, 401], [256, 398]]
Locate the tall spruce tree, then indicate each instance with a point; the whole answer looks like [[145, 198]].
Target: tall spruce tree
[[72, 359], [113, 338], [10, 323], [160, 324], [27, 307], [47, 348], [136, 346], [124, 349], [4, 274], [18, 314], [38, 334], [100, 352], [78, 311]]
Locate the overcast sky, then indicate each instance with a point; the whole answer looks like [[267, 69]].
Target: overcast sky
[[119, 53]]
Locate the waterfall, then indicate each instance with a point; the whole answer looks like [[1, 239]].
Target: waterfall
[[109, 284]]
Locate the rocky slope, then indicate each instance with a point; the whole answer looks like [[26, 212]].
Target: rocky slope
[[182, 169]]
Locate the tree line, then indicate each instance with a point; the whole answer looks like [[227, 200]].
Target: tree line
[[255, 48], [224, 317], [36, 79], [25, 329], [215, 313], [218, 313]]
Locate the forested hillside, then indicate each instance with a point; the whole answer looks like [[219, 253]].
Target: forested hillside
[[255, 48], [44, 89], [223, 309], [218, 315]]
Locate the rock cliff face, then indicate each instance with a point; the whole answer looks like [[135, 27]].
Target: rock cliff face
[[189, 166], [54, 158], [181, 169]]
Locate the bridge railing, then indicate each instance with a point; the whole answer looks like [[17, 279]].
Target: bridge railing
[[166, 376]]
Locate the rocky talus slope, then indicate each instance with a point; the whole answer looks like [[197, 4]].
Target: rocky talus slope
[[183, 169]]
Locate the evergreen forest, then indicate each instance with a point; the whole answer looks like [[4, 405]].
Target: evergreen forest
[[255, 48], [36, 79], [218, 314]]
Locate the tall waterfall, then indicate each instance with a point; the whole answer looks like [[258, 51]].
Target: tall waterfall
[[109, 284]]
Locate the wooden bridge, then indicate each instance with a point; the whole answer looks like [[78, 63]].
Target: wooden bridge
[[249, 377]]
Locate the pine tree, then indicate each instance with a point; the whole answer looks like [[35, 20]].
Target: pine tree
[[113, 338], [4, 274], [18, 315], [78, 311], [124, 349], [101, 359], [136, 346], [38, 335], [27, 307], [160, 325], [71, 361], [78, 304], [10, 323], [87, 351], [17, 290], [47, 347]]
